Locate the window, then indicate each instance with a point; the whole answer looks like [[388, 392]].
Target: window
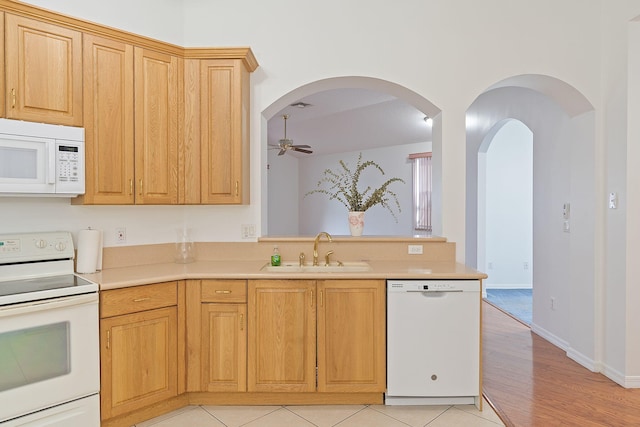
[[421, 192]]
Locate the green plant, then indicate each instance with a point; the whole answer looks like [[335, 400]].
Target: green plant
[[342, 185]]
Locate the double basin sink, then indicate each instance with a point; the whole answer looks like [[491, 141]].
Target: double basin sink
[[334, 267]]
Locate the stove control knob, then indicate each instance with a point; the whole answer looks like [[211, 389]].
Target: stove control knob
[[41, 243], [61, 246]]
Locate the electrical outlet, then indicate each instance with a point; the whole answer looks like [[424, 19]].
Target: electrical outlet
[[525, 265], [415, 249], [248, 231], [121, 235]]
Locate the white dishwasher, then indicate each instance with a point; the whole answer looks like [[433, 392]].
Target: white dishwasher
[[433, 342]]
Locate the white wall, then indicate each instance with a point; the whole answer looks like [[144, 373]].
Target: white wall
[[508, 206], [446, 51], [283, 190]]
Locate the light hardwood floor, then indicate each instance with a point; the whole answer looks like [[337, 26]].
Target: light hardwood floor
[[531, 382]]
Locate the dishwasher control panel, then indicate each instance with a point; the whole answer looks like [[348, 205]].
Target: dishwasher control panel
[[432, 285]]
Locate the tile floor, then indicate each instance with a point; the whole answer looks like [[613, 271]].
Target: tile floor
[[327, 416]]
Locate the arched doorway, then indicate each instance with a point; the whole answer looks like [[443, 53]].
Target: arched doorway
[[505, 217], [564, 145]]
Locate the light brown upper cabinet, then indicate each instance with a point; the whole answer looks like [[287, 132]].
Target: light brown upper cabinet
[[131, 124], [156, 127], [43, 72], [163, 124], [216, 131], [108, 113]]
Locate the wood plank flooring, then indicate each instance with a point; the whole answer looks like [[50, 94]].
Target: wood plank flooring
[[531, 382]]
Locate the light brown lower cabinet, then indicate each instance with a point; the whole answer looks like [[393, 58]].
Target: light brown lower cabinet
[[169, 344], [216, 335], [307, 335], [351, 336], [139, 347]]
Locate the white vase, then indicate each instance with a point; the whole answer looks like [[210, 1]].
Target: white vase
[[356, 223]]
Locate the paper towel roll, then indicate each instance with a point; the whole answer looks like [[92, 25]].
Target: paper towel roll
[[89, 251]]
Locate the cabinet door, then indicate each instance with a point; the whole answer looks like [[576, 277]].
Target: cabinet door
[[43, 72], [139, 359], [351, 336], [224, 347], [282, 335], [156, 127], [224, 109], [108, 121]]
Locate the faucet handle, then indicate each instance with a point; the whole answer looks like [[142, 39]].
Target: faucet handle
[[326, 258], [301, 258]]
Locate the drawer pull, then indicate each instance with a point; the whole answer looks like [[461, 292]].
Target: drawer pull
[[13, 98], [141, 299], [242, 322], [223, 292]]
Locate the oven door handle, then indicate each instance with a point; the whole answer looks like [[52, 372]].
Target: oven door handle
[[49, 304]]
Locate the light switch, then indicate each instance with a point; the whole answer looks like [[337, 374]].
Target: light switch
[[613, 201]]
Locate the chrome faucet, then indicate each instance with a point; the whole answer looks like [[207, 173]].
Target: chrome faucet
[[315, 245]]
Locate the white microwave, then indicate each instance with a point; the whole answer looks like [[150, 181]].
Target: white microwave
[[38, 159]]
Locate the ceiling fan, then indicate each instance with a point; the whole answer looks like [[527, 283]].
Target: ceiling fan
[[286, 144]]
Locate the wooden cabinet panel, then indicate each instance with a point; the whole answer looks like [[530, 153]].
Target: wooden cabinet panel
[[224, 151], [351, 336], [2, 68], [282, 335], [156, 127], [138, 298], [224, 291], [224, 345], [44, 75], [139, 359], [108, 113]]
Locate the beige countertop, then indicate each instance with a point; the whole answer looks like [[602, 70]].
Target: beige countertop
[[155, 273]]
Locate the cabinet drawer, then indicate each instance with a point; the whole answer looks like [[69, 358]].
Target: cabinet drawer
[[138, 298], [224, 291]]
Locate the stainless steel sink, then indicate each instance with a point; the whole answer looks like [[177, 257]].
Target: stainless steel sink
[[334, 267]]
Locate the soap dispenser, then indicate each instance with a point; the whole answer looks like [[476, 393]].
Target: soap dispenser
[[275, 256]]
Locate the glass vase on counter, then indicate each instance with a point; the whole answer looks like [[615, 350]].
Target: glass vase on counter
[[185, 247]]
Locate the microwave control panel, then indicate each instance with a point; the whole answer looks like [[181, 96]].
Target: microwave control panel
[[68, 167]]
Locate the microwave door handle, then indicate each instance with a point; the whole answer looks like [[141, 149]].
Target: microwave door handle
[[51, 163]]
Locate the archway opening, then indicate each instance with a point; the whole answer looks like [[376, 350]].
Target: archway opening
[[505, 217], [343, 117]]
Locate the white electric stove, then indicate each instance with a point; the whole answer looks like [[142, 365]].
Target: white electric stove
[[50, 370]]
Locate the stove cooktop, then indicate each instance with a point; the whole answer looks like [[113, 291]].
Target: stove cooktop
[[38, 266]]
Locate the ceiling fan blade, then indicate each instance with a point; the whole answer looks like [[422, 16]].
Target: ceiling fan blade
[[301, 150], [301, 146], [282, 151]]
